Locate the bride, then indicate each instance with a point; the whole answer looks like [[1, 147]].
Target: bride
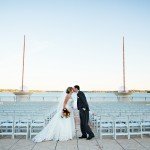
[[60, 127]]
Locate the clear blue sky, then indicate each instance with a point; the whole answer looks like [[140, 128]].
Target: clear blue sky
[[75, 42]]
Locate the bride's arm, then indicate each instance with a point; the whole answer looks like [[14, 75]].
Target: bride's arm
[[65, 101]]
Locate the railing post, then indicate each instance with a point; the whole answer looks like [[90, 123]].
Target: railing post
[[14, 98], [43, 98], [90, 98]]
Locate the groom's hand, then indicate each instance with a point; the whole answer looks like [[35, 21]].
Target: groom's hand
[[84, 109]]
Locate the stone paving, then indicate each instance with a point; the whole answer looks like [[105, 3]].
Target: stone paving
[[122, 143]]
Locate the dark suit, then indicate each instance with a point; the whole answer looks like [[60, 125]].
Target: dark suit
[[84, 114]]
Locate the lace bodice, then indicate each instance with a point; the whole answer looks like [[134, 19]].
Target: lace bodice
[[69, 104]]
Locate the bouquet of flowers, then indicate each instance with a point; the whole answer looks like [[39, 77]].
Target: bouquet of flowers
[[65, 113]]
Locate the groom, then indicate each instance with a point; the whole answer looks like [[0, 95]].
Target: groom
[[83, 108]]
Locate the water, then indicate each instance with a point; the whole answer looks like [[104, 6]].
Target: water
[[91, 96]]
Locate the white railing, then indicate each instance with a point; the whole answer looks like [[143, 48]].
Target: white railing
[[89, 98]]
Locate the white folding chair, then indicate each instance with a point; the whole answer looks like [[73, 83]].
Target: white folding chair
[[135, 125], [6, 125], [21, 126], [105, 125], [37, 124], [121, 126], [145, 124]]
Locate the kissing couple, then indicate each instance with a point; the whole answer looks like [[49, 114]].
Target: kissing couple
[[62, 126]]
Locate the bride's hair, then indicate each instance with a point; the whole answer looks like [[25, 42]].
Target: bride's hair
[[69, 89]]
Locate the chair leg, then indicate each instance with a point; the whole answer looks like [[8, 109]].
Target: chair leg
[[128, 129], [30, 131], [141, 132], [27, 133], [100, 131], [13, 132], [115, 134]]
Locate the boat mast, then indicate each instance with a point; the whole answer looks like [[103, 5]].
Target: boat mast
[[23, 64], [124, 87]]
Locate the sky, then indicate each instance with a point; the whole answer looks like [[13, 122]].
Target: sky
[[72, 42]]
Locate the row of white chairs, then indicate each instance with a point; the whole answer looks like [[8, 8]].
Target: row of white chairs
[[14, 125], [120, 108], [25, 118], [18, 105], [29, 107], [121, 125], [120, 118]]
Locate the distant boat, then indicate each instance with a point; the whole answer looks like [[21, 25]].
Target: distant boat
[[22, 91], [124, 91]]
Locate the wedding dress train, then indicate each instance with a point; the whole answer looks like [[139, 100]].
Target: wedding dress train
[[58, 128]]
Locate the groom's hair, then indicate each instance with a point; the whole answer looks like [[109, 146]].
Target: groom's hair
[[77, 87]]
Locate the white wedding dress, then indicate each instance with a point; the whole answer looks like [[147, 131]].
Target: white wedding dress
[[59, 128]]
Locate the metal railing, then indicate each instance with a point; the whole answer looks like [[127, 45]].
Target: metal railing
[[90, 99]]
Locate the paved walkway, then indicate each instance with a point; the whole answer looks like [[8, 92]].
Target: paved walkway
[[77, 144]]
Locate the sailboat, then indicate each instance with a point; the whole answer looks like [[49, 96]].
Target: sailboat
[[124, 91], [22, 92]]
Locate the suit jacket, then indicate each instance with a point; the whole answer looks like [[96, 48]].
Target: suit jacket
[[81, 101]]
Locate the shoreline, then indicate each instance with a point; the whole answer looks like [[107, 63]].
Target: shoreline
[[90, 91]]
